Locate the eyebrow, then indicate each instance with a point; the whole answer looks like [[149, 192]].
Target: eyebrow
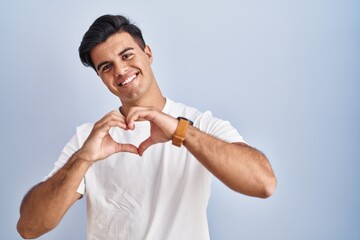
[[120, 53]]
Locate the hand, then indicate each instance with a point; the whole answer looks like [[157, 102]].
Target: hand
[[100, 145], [162, 126]]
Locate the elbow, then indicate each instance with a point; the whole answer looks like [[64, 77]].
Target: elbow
[[260, 188], [268, 188], [26, 231], [267, 182]]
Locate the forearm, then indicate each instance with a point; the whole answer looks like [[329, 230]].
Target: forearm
[[239, 166], [44, 206]]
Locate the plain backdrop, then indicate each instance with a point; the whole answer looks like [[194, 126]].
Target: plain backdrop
[[286, 74]]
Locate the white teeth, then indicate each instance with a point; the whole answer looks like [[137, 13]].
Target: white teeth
[[127, 80]]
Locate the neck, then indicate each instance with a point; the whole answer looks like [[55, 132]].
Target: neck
[[155, 99], [124, 109]]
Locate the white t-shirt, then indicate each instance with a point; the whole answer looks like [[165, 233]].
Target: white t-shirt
[[161, 195]]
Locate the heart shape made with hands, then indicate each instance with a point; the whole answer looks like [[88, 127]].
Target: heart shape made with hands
[[153, 136], [101, 144]]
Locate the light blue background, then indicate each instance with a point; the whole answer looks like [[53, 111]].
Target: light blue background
[[285, 73]]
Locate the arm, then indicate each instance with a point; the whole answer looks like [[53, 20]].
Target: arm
[[45, 205], [241, 167]]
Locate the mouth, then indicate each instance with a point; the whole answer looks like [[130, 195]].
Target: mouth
[[128, 79]]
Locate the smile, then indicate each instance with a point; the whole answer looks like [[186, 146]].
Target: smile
[[127, 80]]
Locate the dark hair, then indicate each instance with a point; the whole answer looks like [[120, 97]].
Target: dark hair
[[101, 30]]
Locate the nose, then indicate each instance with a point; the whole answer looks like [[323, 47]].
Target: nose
[[120, 69]]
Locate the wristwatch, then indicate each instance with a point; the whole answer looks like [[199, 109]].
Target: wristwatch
[[179, 135]]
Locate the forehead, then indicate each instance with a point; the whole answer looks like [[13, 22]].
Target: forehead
[[112, 46]]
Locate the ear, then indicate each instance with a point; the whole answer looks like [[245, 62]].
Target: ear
[[148, 52]]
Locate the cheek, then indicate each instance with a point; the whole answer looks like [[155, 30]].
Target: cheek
[[106, 80], [109, 85], [146, 68]]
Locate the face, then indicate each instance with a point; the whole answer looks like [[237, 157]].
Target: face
[[124, 67]]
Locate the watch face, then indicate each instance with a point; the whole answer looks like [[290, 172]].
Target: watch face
[[190, 122]]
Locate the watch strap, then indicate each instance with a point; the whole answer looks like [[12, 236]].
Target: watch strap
[[180, 132]]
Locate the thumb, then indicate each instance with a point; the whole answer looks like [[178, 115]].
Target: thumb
[[144, 145]]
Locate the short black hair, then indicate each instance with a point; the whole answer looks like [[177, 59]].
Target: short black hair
[[102, 28]]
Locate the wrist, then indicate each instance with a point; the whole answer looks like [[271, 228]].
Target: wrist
[[82, 157], [180, 132]]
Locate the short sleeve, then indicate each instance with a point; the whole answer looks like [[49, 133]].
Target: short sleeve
[[218, 128]]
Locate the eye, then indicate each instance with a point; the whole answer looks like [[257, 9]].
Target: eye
[[106, 67], [127, 56]]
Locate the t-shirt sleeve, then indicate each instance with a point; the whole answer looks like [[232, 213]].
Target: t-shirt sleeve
[[218, 128], [70, 148]]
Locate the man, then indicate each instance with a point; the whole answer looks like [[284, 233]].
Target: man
[[145, 168]]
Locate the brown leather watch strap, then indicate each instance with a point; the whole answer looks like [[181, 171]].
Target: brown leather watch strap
[[179, 135]]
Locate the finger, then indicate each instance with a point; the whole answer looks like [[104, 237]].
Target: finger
[[139, 114], [113, 123], [113, 115], [126, 148], [144, 145], [112, 119], [102, 129]]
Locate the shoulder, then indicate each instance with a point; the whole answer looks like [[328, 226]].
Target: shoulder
[[177, 109], [83, 131], [205, 121], [84, 128]]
